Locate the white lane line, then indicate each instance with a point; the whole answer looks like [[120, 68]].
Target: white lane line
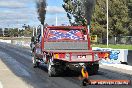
[[1, 86], [121, 66], [4, 69]]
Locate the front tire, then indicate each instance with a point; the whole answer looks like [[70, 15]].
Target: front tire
[[51, 70], [35, 62]]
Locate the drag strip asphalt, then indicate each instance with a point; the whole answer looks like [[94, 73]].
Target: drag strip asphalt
[[18, 59]]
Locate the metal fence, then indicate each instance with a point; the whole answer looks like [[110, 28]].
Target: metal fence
[[115, 40], [124, 40], [121, 40]]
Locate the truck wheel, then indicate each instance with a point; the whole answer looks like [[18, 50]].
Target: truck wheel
[[93, 69], [96, 68], [35, 62], [51, 70]]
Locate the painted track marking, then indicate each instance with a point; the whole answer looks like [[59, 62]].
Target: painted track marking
[[1, 86]]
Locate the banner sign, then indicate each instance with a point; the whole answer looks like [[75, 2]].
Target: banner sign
[[114, 55], [93, 38]]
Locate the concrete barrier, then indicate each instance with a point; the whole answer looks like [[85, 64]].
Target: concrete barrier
[[19, 42], [6, 41], [116, 56], [22, 43]]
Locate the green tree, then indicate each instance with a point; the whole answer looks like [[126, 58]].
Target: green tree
[[21, 32], [98, 22], [13, 32], [129, 4], [28, 31], [74, 12], [118, 17], [79, 11], [119, 20]]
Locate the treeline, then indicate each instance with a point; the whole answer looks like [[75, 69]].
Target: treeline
[[120, 16], [27, 31]]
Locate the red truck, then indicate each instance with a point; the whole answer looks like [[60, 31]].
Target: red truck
[[65, 47]]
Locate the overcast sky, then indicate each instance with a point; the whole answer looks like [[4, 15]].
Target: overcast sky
[[15, 13]]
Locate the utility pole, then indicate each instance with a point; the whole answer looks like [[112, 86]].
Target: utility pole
[[107, 24], [3, 32], [33, 31], [56, 19], [36, 30]]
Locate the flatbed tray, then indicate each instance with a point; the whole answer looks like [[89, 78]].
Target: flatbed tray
[[75, 51]]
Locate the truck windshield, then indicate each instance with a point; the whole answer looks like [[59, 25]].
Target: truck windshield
[[72, 34]]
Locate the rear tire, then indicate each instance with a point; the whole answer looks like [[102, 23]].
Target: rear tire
[[96, 68], [51, 70], [93, 69]]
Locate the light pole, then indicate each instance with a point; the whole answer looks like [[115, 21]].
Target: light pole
[[36, 30], [107, 24], [56, 20], [33, 31], [3, 32]]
